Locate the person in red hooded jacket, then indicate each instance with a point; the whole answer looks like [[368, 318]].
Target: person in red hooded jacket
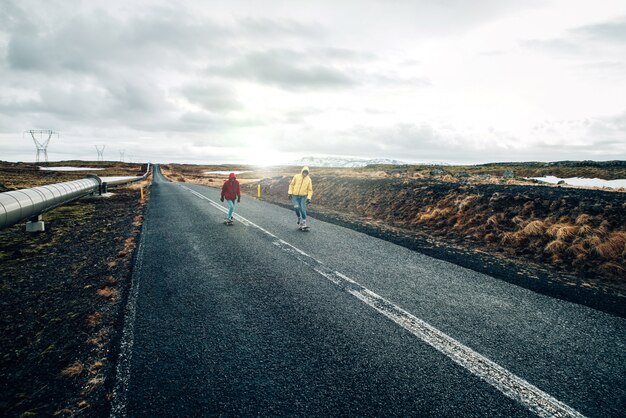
[[230, 192]]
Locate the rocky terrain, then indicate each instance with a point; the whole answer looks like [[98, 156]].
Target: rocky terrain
[[61, 298]]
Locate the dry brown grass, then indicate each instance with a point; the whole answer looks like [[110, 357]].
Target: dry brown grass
[[434, 214], [466, 202], [129, 245], [534, 228], [514, 239], [583, 219], [556, 246], [562, 230], [95, 381], [143, 184], [614, 246], [137, 220], [579, 251], [492, 220], [97, 365], [108, 292], [585, 230], [99, 338], [93, 319], [73, 370]]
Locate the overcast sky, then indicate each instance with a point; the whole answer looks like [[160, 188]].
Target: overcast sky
[[459, 81]]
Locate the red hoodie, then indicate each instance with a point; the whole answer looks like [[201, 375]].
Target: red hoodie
[[230, 189]]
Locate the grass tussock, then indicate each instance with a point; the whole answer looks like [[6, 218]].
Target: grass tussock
[[93, 319], [467, 201], [585, 230], [99, 338], [614, 246], [579, 250], [433, 214], [534, 228], [108, 292], [556, 246], [562, 230], [73, 370], [512, 239]]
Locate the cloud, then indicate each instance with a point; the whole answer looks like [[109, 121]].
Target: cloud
[[211, 96], [269, 28], [94, 42], [612, 31], [557, 45], [583, 39], [600, 138], [602, 69], [403, 141], [284, 68]]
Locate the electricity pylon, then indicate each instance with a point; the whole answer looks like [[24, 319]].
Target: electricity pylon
[[100, 150], [122, 151], [40, 143]]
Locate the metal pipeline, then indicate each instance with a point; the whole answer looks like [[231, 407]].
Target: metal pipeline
[[25, 204]]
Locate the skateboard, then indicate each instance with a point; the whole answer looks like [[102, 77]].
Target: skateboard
[[229, 222], [304, 228]]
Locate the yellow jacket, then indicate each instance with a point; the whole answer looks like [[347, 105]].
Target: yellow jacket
[[301, 185]]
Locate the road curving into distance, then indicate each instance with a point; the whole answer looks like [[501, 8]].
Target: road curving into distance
[[262, 319]]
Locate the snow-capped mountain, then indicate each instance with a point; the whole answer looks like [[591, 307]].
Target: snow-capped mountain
[[343, 162]]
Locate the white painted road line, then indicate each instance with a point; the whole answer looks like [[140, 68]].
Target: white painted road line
[[536, 400]]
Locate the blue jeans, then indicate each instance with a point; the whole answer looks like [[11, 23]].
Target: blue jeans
[[299, 204], [231, 207]]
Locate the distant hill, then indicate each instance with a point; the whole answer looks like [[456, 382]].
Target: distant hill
[[344, 162]]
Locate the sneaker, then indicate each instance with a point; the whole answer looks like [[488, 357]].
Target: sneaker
[[298, 220]]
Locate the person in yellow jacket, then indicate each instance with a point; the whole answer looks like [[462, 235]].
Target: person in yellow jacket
[[301, 191]]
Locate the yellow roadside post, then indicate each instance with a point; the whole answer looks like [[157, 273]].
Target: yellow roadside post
[[141, 192], [258, 191]]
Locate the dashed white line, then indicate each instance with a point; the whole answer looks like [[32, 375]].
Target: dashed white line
[[536, 400]]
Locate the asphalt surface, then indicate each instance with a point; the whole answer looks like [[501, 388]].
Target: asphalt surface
[[227, 320]]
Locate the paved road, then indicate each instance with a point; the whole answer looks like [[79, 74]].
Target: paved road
[[260, 319]]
